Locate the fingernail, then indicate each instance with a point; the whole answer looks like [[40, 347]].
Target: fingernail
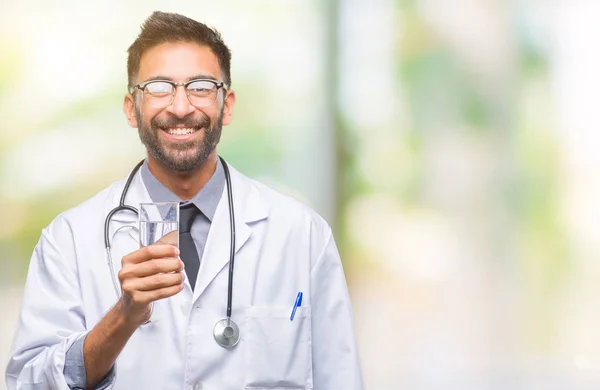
[[177, 252]]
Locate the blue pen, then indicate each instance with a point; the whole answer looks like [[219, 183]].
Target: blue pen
[[297, 304]]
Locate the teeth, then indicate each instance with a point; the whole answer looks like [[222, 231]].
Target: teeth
[[180, 131]]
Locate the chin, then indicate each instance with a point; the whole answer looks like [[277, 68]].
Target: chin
[[185, 164]]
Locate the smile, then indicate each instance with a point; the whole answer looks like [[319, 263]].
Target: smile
[[180, 130]]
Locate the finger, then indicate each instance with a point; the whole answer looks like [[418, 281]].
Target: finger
[[135, 286], [170, 238], [132, 272], [160, 281], [151, 267], [155, 295], [154, 251]]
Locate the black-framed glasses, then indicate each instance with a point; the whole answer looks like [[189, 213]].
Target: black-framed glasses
[[161, 93]]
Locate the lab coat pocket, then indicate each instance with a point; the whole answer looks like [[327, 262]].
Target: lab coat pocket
[[278, 351]]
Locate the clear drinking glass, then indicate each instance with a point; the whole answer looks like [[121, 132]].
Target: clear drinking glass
[[159, 223]]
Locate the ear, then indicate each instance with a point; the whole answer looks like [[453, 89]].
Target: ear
[[228, 107], [129, 110]]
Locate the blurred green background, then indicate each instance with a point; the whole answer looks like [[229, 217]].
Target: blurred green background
[[452, 144]]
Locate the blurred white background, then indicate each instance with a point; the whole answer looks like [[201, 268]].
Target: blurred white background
[[452, 144]]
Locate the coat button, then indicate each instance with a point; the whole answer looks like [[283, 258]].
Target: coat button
[[197, 386]]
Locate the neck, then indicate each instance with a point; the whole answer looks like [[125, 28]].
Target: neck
[[184, 184]]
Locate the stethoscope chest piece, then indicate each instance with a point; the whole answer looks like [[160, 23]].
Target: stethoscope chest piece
[[227, 333]]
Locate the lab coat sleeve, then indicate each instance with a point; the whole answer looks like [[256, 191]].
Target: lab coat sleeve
[[52, 316], [336, 363]]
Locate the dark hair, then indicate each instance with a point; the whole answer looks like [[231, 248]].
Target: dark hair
[[162, 27]]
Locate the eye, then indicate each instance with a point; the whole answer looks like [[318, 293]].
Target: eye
[[159, 88]]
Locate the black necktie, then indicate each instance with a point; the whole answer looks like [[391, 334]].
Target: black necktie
[[189, 253]]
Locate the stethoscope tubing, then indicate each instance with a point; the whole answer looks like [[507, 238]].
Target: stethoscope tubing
[[122, 206], [232, 244]]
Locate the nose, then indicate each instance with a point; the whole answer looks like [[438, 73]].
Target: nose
[[181, 106]]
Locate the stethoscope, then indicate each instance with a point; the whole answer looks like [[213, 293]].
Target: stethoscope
[[226, 331]]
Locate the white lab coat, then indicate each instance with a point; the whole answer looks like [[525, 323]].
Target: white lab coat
[[282, 248]]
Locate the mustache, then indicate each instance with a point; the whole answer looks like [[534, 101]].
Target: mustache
[[202, 122]]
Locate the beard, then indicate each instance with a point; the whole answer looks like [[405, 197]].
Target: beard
[[183, 156]]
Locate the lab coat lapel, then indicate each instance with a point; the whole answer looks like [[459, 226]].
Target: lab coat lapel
[[248, 208]]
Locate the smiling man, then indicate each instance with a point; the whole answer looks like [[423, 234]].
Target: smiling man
[[150, 322]]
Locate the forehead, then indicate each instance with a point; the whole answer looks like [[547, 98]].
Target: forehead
[[178, 61]]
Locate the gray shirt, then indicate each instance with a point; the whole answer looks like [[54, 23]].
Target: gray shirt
[[206, 200]]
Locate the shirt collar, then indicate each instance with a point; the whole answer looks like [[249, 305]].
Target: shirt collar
[[206, 199]]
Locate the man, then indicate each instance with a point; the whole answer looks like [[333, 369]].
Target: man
[[75, 331]]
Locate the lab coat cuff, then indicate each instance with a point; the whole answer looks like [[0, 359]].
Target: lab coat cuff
[[74, 369], [108, 380]]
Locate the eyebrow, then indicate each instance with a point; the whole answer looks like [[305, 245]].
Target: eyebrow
[[195, 77]]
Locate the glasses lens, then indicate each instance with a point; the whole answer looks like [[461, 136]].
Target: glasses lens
[[159, 93], [202, 93], [159, 88]]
